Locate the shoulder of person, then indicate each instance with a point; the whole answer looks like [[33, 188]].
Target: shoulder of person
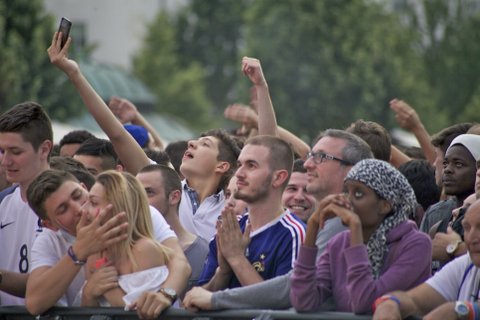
[[444, 204], [408, 233], [147, 253], [5, 192]]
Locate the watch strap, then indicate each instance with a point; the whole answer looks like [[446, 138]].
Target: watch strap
[[169, 293], [72, 255]]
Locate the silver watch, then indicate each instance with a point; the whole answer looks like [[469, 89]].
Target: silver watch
[[169, 293], [462, 310]]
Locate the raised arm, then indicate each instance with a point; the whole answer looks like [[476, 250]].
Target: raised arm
[[126, 112], [267, 122], [409, 120], [397, 157], [128, 150]]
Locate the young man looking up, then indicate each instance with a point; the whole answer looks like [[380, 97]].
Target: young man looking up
[[207, 165], [25, 143]]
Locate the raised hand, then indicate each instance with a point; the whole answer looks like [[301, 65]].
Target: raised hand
[[405, 115], [253, 70], [123, 109], [242, 114], [58, 55]]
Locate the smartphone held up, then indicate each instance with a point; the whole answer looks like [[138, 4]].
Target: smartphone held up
[[64, 28]]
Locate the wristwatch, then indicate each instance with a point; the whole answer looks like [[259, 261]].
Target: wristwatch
[[462, 310], [452, 247], [169, 293]]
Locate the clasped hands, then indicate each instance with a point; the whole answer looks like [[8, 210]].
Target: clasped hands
[[335, 205], [231, 242]]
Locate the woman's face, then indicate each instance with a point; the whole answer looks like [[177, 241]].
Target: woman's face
[[97, 200], [370, 208], [239, 206]]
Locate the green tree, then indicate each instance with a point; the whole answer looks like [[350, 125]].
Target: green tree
[[450, 46], [26, 73], [328, 65], [180, 88], [211, 33]]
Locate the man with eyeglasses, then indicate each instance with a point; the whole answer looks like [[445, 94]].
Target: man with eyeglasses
[[332, 156]]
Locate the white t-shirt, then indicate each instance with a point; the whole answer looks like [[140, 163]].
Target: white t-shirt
[[51, 246], [19, 226], [457, 280], [161, 228]]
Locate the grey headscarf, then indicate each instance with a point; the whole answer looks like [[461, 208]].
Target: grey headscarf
[[391, 185]]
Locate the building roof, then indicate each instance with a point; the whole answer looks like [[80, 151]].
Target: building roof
[[110, 80]]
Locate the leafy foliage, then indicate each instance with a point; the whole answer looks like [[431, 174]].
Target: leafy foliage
[[26, 72], [326, 67], [450, 49], [180, 89]]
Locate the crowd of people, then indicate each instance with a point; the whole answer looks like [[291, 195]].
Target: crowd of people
[[352, 224]]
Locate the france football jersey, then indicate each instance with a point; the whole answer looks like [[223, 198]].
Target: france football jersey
[[272, 250]]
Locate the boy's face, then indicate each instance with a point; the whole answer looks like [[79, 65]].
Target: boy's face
[[69, 149], [92, 163], [296, 197], [200, 158], [19, 159], [254, 175], [459, 170], [154, 187], [64, 207]]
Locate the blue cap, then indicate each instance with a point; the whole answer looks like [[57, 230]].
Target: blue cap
[[139, 133]]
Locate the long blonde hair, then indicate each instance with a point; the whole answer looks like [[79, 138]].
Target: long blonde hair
[[125, 193]]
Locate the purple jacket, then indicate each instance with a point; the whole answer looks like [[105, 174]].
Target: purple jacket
[[344, 272]]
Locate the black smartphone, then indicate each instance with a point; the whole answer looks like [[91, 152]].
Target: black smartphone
[[64, 28]]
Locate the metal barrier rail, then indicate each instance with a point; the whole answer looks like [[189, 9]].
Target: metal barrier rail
[[77, 313]]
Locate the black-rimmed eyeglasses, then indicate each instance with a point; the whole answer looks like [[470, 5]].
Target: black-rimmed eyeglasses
[[319, 157]]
